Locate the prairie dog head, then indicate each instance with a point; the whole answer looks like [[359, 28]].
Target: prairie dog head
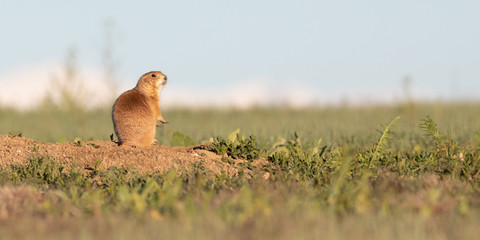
[[151, 82]]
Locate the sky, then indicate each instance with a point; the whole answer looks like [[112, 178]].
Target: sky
[[244, 53]]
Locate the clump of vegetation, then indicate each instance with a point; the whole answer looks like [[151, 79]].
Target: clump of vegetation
[[15, 134], [379, 147], [442, 143], [45, 173], [236, 147], [290, 156], [78, 142]]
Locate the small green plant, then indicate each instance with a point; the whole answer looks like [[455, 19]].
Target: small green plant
[[301, 162], [382, 142], [441, 142], [95, 168], [236, 147], [78, 142], [35, 148], [15, 134]]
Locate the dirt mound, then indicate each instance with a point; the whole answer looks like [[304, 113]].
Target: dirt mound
[[18, 150]]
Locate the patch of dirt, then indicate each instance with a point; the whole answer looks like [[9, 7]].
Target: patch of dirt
[[18, 150]]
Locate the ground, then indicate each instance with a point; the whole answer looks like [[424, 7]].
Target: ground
[[158, 158]]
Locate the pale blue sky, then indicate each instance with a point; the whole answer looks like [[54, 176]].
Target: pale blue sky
[[323, 46]]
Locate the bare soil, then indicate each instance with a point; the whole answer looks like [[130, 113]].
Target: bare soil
[[18, 150]]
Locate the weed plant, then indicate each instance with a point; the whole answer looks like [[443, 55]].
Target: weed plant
[[236, 146]]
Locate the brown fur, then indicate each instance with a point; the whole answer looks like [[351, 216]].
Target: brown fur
[[136, 112]]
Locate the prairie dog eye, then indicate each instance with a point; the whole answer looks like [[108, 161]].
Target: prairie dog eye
[[154, 75]]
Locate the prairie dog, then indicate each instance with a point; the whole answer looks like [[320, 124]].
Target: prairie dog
[[136, 112]]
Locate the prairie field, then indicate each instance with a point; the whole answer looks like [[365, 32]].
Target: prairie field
[[406, 171]]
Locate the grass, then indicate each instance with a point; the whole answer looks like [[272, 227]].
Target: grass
[[335, 173], [332, 124]]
